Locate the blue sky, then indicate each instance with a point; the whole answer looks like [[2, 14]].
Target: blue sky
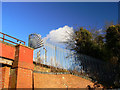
[[19, 19]]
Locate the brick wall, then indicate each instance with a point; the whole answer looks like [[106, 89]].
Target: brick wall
[[7, 50], [22, 57], [13, 78], [24, 78], [24, 66], [21, 76], [60, 81], [10, 80], [5, 73], [0, 76]]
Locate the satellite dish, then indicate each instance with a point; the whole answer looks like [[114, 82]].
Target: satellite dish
[[35, 41]]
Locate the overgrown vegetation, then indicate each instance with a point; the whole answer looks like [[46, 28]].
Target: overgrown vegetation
[[105, 47]]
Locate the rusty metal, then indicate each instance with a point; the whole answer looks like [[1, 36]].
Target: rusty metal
[[3, 38]]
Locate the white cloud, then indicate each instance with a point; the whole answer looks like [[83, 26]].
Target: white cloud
[[61, 34]]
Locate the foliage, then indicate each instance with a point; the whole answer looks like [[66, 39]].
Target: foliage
[[113, 40], [83, 41], [105, 47], [113, 46]]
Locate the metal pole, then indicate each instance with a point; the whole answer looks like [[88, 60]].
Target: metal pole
[[55, 57], [45, 56]]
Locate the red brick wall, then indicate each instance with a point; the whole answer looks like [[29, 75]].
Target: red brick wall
[[7, 51], [25, 54], [13, 78], [24, 78], [23, 64], [60, 81], [0, 77], [4, 77]]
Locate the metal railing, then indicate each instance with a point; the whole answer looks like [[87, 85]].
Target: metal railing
[[52, 55], [54, 59], [4, 39]]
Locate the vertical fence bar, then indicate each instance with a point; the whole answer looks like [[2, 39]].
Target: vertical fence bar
[[51, 56], [62, 60], [65, 59], [45, 56], [59, 58], [55, 57]]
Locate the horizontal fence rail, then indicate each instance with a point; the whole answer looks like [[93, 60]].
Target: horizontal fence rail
[[3, 37]]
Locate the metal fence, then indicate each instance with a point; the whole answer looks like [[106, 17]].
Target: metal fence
[[103, 72], [60, 58], [54, 56]]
